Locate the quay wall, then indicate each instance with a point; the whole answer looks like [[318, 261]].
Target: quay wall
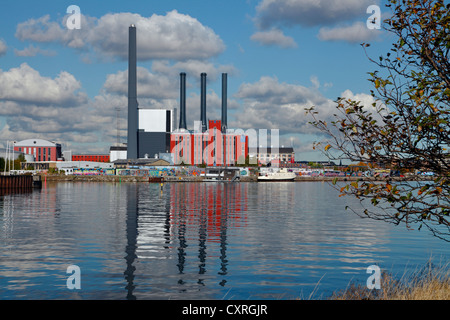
[[16, 182], [113, 178]]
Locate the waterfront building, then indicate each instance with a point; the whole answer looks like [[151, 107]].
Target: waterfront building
[[274, 156], [41, 150]]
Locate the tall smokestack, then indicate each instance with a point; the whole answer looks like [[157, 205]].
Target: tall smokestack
[[133, 118], [224, 102], [183, 100], [203, 101]]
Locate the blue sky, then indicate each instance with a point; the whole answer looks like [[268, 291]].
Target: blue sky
[[281, 57]]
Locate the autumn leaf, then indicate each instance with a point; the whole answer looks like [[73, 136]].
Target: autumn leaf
[[377, 83]]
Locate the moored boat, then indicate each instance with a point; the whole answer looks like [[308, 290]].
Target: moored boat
[[282, 175]]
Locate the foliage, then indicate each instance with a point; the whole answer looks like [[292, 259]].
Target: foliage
[[407, 128]]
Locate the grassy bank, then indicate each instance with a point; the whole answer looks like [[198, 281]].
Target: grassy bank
[[430, 283]]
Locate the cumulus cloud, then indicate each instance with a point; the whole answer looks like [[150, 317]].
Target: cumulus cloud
[[369, 102], [274, 37], [269, 104], [355, 33], [150, 85], [338, 20], [25, 85], [308, 12], [3, 48], [35, 106], [32, 51], [173, 36]]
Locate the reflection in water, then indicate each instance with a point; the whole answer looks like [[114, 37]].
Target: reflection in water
[[192, 211], [211, 209], [193, 241], [131, 232]]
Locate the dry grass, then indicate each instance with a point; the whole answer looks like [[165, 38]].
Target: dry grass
[[430, 283]]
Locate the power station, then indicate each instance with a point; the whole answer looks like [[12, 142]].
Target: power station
[[154, 131]]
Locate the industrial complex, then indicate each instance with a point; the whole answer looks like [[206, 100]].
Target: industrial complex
[[157, 137]]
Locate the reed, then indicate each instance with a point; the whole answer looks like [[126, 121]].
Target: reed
[[430, 283]]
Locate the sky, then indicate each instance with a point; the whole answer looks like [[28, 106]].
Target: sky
[[281, 56]]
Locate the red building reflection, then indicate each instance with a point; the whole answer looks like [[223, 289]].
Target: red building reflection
[[212, 206]]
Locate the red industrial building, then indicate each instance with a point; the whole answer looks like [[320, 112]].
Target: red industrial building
[[211, 147], [42, 150]]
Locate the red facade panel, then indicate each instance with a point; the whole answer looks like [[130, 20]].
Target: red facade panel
[[91, 157]]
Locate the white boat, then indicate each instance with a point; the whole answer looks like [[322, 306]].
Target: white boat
[[282, 175]]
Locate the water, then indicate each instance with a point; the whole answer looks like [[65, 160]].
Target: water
[[196, 241]]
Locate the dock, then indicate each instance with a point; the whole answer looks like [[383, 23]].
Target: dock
[[20, 182]]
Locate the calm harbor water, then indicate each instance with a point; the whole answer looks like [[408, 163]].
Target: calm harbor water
[[197, 241]]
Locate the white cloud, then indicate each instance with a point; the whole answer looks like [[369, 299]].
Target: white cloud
[[35, 106], [269, 104], [149, 85], [309, 12], [26, 85], [3, 48], [355, 33], [368, 102], [32, 51], [274, 37], [173, 36]]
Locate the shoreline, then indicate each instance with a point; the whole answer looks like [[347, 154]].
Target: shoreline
[[171, 179]]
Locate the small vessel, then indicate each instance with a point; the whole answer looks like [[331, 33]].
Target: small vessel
[[221, 174], [281, 175]]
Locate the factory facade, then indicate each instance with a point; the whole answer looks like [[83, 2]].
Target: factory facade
[[212, 147]]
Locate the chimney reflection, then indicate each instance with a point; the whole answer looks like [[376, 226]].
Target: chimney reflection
[[131, 233], [207, 211], [195, 220]]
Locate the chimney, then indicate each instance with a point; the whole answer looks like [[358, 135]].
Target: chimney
[[224, 102], [182, 101], [203, 102], [133, 117]]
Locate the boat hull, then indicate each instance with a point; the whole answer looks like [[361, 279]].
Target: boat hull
[[277, 177]]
